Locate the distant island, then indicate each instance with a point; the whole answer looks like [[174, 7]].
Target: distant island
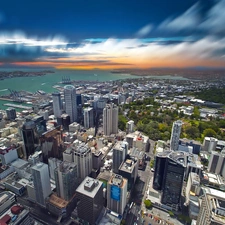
[[190, 73], [13, 74]]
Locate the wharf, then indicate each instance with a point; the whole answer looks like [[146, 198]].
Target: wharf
[[18, 106]]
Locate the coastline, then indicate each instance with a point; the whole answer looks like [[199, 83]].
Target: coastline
[[19, 73], [189, 73]]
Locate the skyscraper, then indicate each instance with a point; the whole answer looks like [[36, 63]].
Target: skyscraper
[[110, 119], [130, 126], [88, 118], [52, 143], [66, 180], [175, 135], [212, 207], [11, 113], [30, 137], [90, 200], [41, 180], [168, 177], [209, 144], [119, 154], [57, 104], [83, 160], [70, 102], [117, 194]]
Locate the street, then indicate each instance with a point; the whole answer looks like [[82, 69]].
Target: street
[[39, 213]]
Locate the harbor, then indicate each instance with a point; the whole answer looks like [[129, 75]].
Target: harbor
[[18, 106]]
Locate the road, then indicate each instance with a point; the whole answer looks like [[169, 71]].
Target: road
[[39, 212], [134, 214]]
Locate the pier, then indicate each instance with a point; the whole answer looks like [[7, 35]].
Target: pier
[[18, 106]]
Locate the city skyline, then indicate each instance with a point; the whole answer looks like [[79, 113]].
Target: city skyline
[[113, 35]]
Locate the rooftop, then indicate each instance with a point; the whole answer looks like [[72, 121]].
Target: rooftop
[[117, 180], [57, 201], [128, 165], [89, 187]]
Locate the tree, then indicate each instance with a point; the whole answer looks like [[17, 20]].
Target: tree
[[152, 163], [192, 132], [171, 213], [148, 203], [122, 122], [209, 132]]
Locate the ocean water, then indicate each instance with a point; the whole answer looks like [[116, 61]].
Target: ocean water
[[46, 82]]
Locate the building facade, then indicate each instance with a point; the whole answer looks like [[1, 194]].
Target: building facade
[[168, 177], [82, 157], [57, 104], [41, 181], [66, 180], [110, 119], [70, 102], [89, 195], [30, 138], [117, 193], [88, 118], [175, 135], [119, 154]]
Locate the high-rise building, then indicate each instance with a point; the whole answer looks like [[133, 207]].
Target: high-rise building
[[53, 163], [175, 135], [70, 102], [129, 170], [216, 162], [110, 119], [66, 180], [130, 126], [119, 154], [168, 177], [57, 104], [212, 207], [52, 144], [89, 195], [88, 118], [41, 180], [40, 124], [83, 160], [30, 138], [11, 113], [209, 144], [192, 195], [117, 193]]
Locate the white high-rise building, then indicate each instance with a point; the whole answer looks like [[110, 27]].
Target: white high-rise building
[[70, 99], [117, 193], [110, 119], [119, 154], [57, 104], [130, 126], [83, 160], [88, 118], [41, 180], [175, 135], [209, 144]]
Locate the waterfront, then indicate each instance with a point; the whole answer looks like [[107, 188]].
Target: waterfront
[[46, 82]]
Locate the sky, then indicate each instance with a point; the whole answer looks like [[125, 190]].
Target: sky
[[112, 34]]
